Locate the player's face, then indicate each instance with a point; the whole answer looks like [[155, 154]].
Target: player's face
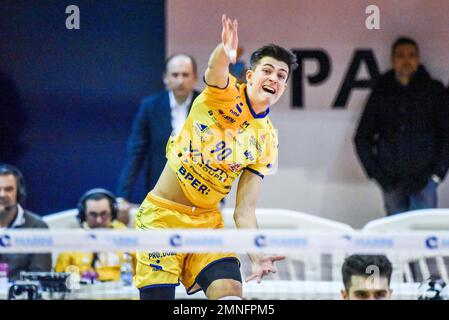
[[8, 192], [405, 60], [365, 288], [98, 213], [180, 77], [267, 82]]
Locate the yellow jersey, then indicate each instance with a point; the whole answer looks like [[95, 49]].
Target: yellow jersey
[[222, 136], [106, 264]]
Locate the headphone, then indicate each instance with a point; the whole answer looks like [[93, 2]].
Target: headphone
[[21, 191], [91, 193]]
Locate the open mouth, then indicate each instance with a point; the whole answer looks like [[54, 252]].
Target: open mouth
[[269, 89]]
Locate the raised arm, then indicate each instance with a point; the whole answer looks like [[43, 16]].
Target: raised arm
[[248, 192], [225, 53]]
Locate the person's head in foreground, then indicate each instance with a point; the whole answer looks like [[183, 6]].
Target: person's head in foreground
[[366, 277]]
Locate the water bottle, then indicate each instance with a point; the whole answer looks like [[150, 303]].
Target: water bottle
[[126, 271], [4, 270]]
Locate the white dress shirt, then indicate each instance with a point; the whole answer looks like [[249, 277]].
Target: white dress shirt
[[179, 112], [19, 219]]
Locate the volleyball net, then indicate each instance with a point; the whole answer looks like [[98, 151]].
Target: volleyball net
[[311, 269]]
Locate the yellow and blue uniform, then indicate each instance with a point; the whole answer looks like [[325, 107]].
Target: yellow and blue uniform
[[221, 137]]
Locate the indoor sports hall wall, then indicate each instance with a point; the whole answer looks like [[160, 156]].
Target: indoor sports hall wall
[[80, 89], [318, 169]]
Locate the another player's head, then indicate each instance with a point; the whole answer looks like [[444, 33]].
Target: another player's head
[[405, 57], [97, 208], [180, 75], [366, 277], [270, 69]]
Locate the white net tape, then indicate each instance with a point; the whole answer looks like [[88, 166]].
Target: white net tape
[[311, 270]]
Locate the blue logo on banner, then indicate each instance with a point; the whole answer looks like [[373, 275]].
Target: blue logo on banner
[[92, 236], [260, 241], [432, 242], [176, 240], [5, 241], [121, 241]]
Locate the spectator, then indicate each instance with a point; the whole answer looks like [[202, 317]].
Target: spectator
[[97, 208], [159, 115], [14, 216], [366, 277], [403, 136]]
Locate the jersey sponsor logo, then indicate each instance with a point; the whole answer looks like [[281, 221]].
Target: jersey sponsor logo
[[195, 183], [245, 124], [235, 167], [158, 255], [225, 116], [216, 173], [203, 131], [254, 142], [156, 267], [248, 155], [211, 115], [238, 110]]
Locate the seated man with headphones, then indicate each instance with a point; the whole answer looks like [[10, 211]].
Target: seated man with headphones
[[14, 216], [97, 208]]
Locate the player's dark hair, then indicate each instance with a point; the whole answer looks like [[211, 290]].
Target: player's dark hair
[[402, 41], [192, 60], [357, 265], [276, 52]]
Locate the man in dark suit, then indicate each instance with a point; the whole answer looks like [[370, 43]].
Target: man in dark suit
[[14, 216], [159, 116]]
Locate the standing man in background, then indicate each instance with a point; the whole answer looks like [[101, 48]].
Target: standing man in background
[[403, 136], [159, 116]]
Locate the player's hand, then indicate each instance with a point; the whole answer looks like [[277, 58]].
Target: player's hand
[[229, 38], [263, 266]]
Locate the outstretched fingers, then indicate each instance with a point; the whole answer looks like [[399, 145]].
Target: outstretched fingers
[[229, 37]]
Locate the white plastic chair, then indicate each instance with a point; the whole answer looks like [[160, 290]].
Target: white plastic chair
[[311, 267], [275, 218], [416, 268], [425, 219], [62, 220]]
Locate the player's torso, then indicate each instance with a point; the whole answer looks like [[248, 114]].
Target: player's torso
[[220, 138]]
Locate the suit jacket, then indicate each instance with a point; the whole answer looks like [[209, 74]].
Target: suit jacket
[[146, 145], [403, 134], [36, 262]]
